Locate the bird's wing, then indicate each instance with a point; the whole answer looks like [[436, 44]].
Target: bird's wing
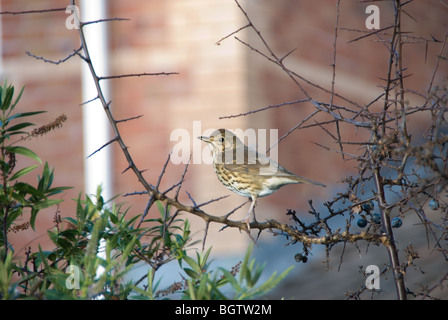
[[255, 163], [251, 162]]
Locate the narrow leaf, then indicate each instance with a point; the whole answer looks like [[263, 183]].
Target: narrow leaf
[[7, 98], [24, 114], [46, 203], [19, 126], [53, 191], [192, 274], [23, 172], [193, 264], [24, 152], [18, 98], [231, 279]]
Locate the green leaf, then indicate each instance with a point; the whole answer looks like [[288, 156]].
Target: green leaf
[[23, 189], [71, 220], [80, 212], [46, 203], [191, 292], [53, 191], [151, 286], [244, 268], [41, 257], [13, 133], [114, 219], [37, 206], [70, 234], [7, 98], [34, 213], [6, 272], [19, 126], [64, 244], [24, 114], [24, 152], [12, 216], [254, 274], [231, 279], [193, 264], [192, 274], [23, 172], [201, 292], [18, 98], [47, 178], [271, 283]]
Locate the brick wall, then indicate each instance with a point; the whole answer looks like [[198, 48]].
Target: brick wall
[[213, 81], [55, 89]]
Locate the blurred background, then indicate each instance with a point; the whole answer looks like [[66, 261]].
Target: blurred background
[[214, 80]]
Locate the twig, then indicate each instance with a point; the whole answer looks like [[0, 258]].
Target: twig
[[372, 33], [128, 119], [120, 76], [176, 197], [265, 108], [33, 11], [83, 24], [232, 33], [333, 66], [294, 128], [75, 52], [102, 147]]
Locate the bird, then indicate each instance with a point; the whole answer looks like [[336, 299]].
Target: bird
[[247, 172]]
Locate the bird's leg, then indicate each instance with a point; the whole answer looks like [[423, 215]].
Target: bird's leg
[[251, 210]]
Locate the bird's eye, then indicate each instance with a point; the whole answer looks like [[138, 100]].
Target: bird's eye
[[221, 139]]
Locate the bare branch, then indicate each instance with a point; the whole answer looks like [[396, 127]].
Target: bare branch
[[234, 32], [75, 52], [33, 11], [265, 108], [144, 74], [102, 147], [372, 33], [83, 24], [129, 119]]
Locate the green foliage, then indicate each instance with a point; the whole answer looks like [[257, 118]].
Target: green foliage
[[97, 246], [7, 288], [205, 285], [17, 196]]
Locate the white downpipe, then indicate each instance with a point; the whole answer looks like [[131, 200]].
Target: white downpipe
[[97, 168], [96, 130]]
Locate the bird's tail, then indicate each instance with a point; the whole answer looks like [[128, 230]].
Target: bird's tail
[[305, 180]]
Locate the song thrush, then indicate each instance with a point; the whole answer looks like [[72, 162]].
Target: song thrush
[[245, 171]]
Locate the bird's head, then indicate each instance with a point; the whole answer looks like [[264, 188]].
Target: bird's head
[[222, 140]]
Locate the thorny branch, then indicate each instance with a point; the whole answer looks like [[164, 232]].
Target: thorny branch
[[157, 195], [390, 148], [390, 143]]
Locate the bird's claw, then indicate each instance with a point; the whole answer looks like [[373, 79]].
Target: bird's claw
[[247, 224]]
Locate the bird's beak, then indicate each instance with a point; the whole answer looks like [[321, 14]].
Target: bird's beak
[[205, 139]]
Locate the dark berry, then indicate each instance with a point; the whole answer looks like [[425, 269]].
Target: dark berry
[[361, 222], [397, 222], [434, 204], [300, 258], [368, 206], [376, 218]]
